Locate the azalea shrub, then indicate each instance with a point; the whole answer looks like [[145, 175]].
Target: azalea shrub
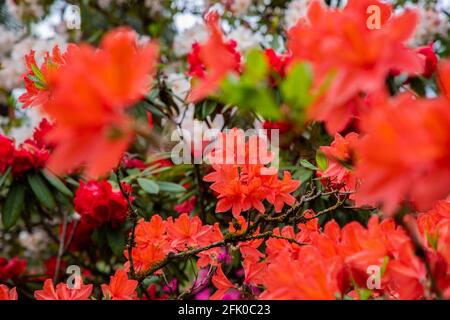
[[224, 150]]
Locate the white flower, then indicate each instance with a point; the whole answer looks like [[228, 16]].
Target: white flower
[[7, 40], [179, 84], [24, 8], [183, 41], [296, 9], [240, 7], [31, 119], [104, 4], [154, 6], [34, 242], [244, 38], [431, 24], [14, 66]]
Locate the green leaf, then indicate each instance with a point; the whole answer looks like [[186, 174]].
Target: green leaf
[[57, 183], [116, 241], [41, 191], [170, 186], [38, 73], [364, 293], [296, 87], [5, 176], [256, 66], [321, 160], [250, 97], [308, 165], [148, 185], [13, 205]]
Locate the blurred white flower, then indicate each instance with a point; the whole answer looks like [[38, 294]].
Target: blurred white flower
[[31, 118], [14, 66], [431, 24], [183, 41], [24, 8], [154, 6], [296, 9], [34, 242], [245, 38], [179, 84], [240, 7]]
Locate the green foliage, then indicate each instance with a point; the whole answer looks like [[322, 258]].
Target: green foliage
[[14, 205]]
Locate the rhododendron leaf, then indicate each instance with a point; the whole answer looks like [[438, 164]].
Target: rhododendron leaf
[[308, 165], [57, 183], [250, 97], [13, 205], [321, 160], [296, 87], [148, 186], [256, 67], [207, 108], [116, 241], [5, 176], [41, 191], [170, 186]]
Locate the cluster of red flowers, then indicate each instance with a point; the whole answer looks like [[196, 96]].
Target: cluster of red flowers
[[338, 174], [31, 154], [340, 261], [119, 288], [210, 62], [98, 204], [91, 127], [156, 238], [338, 43], [392, 165], [241, 178]]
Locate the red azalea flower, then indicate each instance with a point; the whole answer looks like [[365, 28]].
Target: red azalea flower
[[212, 61], [221, 282], [63, 292], [6, 294], [431, 60], [11, 269], [278, 63], [38, 80], [398, 173], [120, 287], [91, 127], [338, 43]]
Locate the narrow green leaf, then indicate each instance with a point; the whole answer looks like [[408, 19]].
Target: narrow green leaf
[[13, 205], [57, 183], [308, 165], [321, 160], [148, 186], [170, 186], [5, 176], [296, 87], [41, 191], [38, 73]]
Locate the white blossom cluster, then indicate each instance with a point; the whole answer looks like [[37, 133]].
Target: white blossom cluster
[[432, 24], [34, 242], [154, 6], [14, 47], [295, 10], [24, 8]]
